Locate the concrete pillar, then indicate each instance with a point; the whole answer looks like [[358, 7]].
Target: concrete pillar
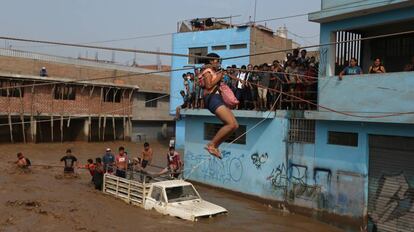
[[86, 130], [33, 131], [128, 129]]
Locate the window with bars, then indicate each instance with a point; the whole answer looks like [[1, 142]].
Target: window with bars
[[343, 138], [344, 50], [11, 89], [301, 131], [210, 129]]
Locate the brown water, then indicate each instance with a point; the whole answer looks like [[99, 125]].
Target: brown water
[[42, 201]]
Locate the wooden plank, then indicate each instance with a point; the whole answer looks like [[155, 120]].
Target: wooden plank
[[32, 133]]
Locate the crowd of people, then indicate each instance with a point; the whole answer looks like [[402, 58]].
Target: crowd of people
[[258, 87], [118, 165]]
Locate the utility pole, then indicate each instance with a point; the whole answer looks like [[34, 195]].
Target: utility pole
[[254, 15]]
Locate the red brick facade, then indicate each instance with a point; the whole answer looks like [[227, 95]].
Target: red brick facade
[[88, 101]]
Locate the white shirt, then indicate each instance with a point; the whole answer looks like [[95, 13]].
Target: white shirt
[[242, 77]]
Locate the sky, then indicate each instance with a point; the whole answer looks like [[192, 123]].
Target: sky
[[81, 21]]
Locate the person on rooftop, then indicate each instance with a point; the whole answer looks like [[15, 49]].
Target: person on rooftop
[[352, 69], [43, 72]]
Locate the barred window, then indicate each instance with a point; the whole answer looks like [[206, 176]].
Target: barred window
[[301, 131], [210, 129]]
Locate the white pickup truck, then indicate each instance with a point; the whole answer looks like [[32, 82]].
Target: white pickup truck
[[177, 198]]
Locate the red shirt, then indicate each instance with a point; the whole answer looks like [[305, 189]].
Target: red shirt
[[174, 159], [91, 168], [121, 161]]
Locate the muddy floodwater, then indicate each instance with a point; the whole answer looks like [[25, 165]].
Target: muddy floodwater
[[44, 201]]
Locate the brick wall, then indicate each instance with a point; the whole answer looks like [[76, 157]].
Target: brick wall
[[43, 102], [261, 41], [17, 65]]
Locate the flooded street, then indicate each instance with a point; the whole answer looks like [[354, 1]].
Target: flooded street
[[43, 201]]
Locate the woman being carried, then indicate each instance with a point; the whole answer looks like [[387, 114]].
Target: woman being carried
[[211, 78]]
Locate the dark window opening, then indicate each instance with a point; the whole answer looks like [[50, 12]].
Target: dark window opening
[[201, 51], [151, 100], [210, 129], [343, 138], [395, 52], [219, 47], [238, 46], [112, 95], [65, 92], [11, 89]]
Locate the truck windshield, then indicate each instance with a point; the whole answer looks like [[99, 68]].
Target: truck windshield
[[181, 193]]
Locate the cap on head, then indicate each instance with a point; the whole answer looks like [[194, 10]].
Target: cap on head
[[108, 149]]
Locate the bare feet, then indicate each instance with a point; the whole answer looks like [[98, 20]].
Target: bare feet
[[213, 151]]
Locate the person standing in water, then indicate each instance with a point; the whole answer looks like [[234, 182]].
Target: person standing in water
[[211, 77]]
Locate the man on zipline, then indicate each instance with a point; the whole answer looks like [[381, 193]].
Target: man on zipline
[[210, 77]]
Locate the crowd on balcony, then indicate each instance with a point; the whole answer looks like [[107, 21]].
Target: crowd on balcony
[[377, 67], [265, 87]]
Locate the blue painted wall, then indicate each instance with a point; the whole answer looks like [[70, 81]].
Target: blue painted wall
[[320, 176], [348, 186], [368, 95], [255, 168], [332, 8]]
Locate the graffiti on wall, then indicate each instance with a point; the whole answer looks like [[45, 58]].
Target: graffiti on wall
[[259, 160], [229, 169], [294, 180], [278, 177], [394, 204]]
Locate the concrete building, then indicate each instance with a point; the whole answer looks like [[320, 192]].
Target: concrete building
[[38, 109], [148, 120], [351, 158], [225, 40]]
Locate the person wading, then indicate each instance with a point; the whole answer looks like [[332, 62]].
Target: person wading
[[212, 77]]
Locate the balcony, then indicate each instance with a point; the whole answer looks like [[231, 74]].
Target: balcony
[[366, 98], [334, 10]]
